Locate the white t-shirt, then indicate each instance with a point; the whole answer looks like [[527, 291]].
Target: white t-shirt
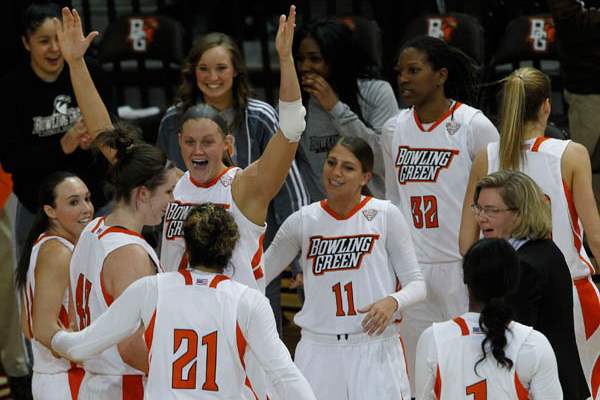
[[138, 303]]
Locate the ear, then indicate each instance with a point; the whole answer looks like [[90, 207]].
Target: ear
[[547, 106], [25, 43], [230, 145], [366, 178], [443, 76], [50, 212], [142, 194]]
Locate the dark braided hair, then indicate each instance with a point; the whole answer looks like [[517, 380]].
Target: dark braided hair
[[461, 84], [491, 272], [210, 234]]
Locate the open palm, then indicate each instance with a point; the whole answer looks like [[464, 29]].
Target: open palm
[[73, 44], [285, 33]]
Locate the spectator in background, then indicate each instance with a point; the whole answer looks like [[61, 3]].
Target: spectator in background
[[578, 32], [215, 73], [13, 355], [342, 98], [43, 131]]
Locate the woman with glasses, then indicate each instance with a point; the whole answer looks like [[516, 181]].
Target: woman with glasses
[[562, 170], [509, 205]]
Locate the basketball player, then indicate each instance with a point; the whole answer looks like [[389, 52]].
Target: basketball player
[[199, 324], [354, 250], [204, 142], [43, 278], [428, 150], [562, 169], [483, 353]]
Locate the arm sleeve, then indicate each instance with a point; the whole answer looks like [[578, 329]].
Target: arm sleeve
[[378, 104], [285, 246], [402, 255], [257, 318], [120, 321], [537, 368], [481, 132], [426, 366]]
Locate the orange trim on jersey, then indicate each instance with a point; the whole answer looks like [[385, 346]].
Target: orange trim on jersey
[[63, 317], [590, 305], [437, 386], [47, 235], [575, 228], [107, 297], [522, 393], [257, 258], [118, 229], [183, 264], [595, 378], [464, 328], [211, 182], [29, 310], [187, 275], [439, 121], [241, 346], [538, 142], [133, 387], [149, 333], [75, 377], [216, 280], [325, 206], [100, 221]]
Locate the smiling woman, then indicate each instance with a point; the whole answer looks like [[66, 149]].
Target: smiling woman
[[43, 279]]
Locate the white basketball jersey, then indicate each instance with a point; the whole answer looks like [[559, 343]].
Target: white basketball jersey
[[44, 362], [345, 265], [542, 163], [91, 299], [196, 344], [458, 347], [246, 262], [432, 170]]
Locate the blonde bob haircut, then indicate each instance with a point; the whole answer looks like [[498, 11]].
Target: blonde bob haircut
[[523, 93], [520, 193]]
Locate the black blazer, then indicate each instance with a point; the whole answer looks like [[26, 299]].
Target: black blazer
[[544, 300]]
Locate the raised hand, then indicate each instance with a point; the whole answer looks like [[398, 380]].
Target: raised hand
[[73, 44], [285, 34]]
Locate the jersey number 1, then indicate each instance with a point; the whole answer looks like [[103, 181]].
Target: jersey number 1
[[82, 301], [337, 289], [424, 211], [478, 390], [190, 355]]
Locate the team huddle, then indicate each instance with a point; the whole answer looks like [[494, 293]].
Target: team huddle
[[402, 297]]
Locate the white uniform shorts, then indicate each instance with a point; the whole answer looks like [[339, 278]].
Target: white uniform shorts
[[586, 315], [59, 386], [112, 387], [354, 367], [447, 298]]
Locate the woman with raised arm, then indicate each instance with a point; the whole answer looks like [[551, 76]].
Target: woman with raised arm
[[428, 150], [562, 170], [484, 353], [196, 308], [355, 249], [43, 279], [246, 193], [111, 253]]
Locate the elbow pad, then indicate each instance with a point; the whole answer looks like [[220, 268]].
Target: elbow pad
[[291, 119]]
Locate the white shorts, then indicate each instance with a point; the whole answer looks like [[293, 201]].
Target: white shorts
[[59, 386], [112, 387], [586, 315], [447, 298], [358, 367]]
